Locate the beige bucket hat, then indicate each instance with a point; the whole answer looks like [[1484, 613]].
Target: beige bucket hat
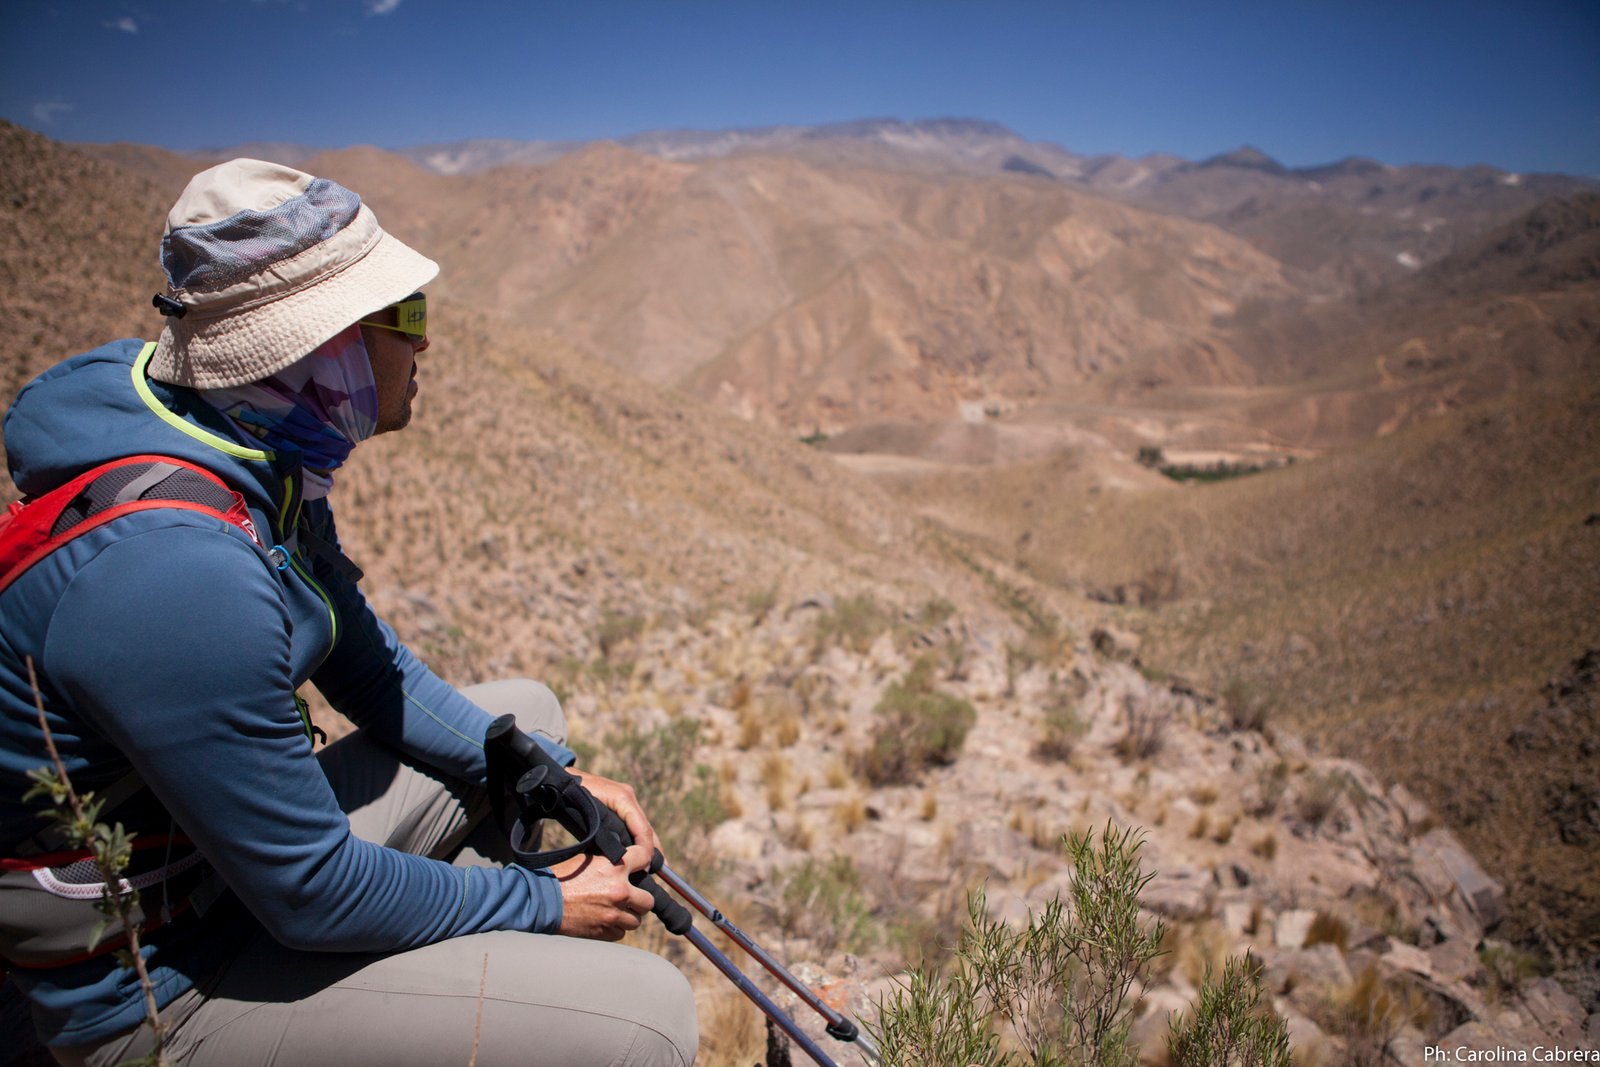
[[263, 264]]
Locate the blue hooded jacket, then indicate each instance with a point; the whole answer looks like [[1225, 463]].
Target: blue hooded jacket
[[164, 643]]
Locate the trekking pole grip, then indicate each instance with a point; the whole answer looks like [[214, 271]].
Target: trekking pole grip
[[612, 836]]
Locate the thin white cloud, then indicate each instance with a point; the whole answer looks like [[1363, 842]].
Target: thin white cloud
[[45, 111], [382, 7], [125, 24]]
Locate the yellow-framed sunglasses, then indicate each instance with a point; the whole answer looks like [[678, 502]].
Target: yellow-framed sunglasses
[[410, 316]]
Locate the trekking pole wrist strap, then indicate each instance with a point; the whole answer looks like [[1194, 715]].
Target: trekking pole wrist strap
[[575, 816]]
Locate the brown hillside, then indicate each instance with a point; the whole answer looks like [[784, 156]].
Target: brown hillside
[[827, 298], [1518, 307], [78, 270], [1406, 601]]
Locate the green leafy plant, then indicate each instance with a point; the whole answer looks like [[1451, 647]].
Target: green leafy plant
[[616, 629], [1245, 706], [934, 1021], [1320, 796], [1146, 732]]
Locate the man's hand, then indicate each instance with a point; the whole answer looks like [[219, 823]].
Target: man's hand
[[597, 900], [619, 797]]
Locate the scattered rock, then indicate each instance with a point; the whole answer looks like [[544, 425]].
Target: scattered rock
[[1554, 1010], [1307, 1041], [1149, 1034], [1239, 918], [1319, 971], [1474, 1035], [1179, 893], [1407, 958], [1453, 961], [1415, 812], [1293, 927], [1482, 894], [1410, 1045]]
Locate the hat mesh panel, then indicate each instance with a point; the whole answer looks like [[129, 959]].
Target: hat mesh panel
[[223, 253]]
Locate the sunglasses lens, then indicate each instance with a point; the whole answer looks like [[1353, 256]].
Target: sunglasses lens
[[411, 315]]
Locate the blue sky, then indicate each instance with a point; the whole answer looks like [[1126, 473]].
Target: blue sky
[[1515, 85]]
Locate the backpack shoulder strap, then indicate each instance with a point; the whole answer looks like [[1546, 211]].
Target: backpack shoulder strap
[[32, 529]]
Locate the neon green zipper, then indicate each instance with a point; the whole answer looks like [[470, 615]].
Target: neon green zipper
[[286, 522]]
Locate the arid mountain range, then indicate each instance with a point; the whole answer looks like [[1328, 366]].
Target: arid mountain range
[[977, 336], [827, 278]]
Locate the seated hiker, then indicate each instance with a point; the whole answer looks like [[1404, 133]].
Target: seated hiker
[[345, 906]]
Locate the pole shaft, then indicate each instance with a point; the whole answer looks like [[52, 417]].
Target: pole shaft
[[762, 1001], [838, 1024]]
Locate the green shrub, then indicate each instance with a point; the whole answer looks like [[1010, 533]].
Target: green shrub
[[823, 902], [1246, 708], [935, 612], [1063, 727], [854, 622], [1057, 991], [1230, 1026], [1320, 795], [933, 1021], [1147, 728], [617, 628], [680, 796], [761, 602], [919, 726], [1057, 988]]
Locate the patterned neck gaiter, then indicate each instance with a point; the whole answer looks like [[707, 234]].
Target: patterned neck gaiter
[[323, 405]]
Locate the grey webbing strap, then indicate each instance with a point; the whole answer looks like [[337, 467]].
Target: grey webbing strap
[[134, 490]]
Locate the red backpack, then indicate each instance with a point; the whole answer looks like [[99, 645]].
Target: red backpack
[[32, 529], [29, 531]]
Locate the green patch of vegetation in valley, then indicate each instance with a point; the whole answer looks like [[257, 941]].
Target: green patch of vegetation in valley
[[1220, 471]]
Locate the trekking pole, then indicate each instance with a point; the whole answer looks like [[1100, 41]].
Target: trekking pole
[[545, 789], [840, 1027]]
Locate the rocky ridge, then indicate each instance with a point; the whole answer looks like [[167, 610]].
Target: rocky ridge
[[1373, 925]]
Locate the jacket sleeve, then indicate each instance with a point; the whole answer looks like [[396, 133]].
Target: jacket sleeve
[[376, 682], [173, 644]]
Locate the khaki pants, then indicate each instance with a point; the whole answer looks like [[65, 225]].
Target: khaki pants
[[546, 1000]]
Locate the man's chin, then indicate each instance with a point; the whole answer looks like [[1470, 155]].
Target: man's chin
[[398, 421]]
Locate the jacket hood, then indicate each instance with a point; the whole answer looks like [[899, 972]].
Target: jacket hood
[[101, 405]]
